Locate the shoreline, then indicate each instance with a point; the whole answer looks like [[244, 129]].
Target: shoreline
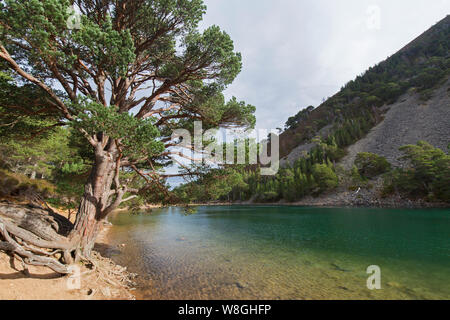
[[379, 205], [340, 199]]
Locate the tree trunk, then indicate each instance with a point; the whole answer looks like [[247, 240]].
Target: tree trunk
[[94, 202], [35, 234]]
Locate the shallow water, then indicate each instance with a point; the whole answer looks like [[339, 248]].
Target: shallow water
[[242, 252]]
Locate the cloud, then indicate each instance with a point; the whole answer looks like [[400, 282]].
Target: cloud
[[295, 53]]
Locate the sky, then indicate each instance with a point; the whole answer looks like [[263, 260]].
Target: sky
[[298, 52]]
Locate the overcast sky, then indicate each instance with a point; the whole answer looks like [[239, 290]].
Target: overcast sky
[[297, 52]]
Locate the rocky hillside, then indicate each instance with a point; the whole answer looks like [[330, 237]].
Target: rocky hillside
[[400, 101], [408, 121]]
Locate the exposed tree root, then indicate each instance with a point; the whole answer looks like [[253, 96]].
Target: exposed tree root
[[111, 273], [36, 236]]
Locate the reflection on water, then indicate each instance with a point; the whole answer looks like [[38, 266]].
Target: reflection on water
[[244, 252]]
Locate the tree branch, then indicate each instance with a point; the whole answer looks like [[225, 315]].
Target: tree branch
[[4, 54]]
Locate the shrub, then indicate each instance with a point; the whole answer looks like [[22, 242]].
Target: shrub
[[325, 177], [19, 184], [426, 95], [371, 165], [427, 176], [269, 196]]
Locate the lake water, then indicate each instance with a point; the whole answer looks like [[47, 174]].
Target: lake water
[[243, 252]]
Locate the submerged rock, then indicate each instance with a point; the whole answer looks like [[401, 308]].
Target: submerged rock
[[336, 267], [240, 285]]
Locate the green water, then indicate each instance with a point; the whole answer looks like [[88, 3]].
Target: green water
[[241, 252]]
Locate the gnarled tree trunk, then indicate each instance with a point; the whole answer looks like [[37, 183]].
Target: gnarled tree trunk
[[40, 237], [96, 203]]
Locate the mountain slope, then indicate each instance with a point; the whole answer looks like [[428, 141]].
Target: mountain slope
[[409, 90], [408, 121]]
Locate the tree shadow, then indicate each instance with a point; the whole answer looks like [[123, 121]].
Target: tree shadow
[[22, 274]]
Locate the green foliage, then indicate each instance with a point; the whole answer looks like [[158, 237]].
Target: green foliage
[[107, 48], [293, 122], [238, 113], [48, 164], [138, 136], [428, 78], [351, 131], [24, 109], [212, 186], [428, 174], [69, 181], [325, 177], [39, 156], [215, 48], [370, 165], [110, 49]]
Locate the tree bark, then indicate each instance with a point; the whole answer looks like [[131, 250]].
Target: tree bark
[[96, 200]]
